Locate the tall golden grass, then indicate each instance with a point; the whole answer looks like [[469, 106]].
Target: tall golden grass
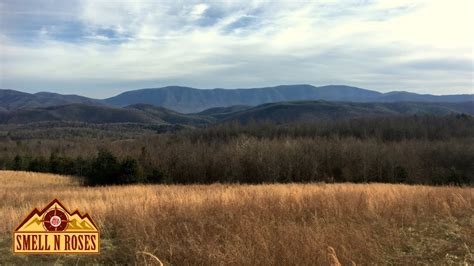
[[278, 224]]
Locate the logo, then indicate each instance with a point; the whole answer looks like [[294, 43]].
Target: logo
[[55, 230]]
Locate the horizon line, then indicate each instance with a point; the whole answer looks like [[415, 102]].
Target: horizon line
[[239, 88]]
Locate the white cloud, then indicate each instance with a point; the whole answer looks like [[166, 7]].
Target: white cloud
[[198, 10], [381, 45]]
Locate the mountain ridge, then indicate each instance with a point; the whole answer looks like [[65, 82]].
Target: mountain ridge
[[281, 112], [191, 100]]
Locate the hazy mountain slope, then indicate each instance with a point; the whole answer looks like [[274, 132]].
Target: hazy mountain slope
[[312, 110], [169, 116], [281, 112], [96, 114], [77, 113], [69, 98], [409, 108], [304, 111], [189, 100], [11, 100], [221, 112]]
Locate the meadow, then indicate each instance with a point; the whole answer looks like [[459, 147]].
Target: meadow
[[266, 224]]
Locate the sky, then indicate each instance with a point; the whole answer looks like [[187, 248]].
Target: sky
[[101, 48]]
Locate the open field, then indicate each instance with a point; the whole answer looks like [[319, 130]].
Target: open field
[[288, 224]]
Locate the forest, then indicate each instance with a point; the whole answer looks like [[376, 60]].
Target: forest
[[417, 149]]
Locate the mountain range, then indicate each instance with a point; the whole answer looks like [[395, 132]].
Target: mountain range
[[192, 100], [185, 106], [281, 112]]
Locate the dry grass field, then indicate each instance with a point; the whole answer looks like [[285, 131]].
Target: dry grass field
[[287, 224]]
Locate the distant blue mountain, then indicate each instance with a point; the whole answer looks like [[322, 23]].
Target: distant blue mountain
[[190, 100]]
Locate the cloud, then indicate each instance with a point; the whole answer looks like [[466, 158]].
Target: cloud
[[441, 64], [198, 10], [98, 48]]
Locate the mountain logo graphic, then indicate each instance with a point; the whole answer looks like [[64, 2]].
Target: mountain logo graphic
[[55, 230]]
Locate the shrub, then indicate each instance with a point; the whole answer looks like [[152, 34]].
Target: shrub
[[130, 172], [103, 170]]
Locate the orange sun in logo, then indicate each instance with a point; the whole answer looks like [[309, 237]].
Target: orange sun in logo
[[55, 220]]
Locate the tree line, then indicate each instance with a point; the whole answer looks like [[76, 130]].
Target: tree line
[[104, 169], [416, 150], [393, 128], [252, 160]]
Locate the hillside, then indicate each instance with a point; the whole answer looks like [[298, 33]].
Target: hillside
[[169, 116], [11, 100], [306, 111], [313, 110], [68, 98], [77, 113], [94, 114], [282, 112]]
